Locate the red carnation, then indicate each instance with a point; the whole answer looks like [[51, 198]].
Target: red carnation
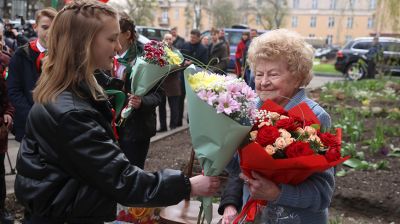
[[288, 124], [149, 55], [267, 135], [297, 149], [332, 154], [329, 140]]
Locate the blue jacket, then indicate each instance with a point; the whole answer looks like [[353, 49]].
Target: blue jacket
[[306, 203], [22, 77]]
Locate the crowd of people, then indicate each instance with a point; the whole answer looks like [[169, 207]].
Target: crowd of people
[[73, 167]]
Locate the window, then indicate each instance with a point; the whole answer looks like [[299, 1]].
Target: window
[[351, 4], [332, 5], [331, 21], [258, 19], [164, 14], [370, 23], [349, 22], [314, 4], [245, 19], [295, 4], [176, 14], [365, 45], [329, 39], [313, 21], [391, 46], [372, 4], [294, 21]]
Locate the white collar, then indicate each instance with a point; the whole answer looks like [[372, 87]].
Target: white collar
[[40, 47]]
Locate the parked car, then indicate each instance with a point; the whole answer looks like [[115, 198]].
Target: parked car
[[351, 60], [326, 53], [153, 33], [233, 36]]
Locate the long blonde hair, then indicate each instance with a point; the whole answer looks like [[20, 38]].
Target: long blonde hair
[[69, 59]]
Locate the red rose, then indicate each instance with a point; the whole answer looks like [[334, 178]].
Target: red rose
[[332, 154], [329, 140], [297, 149], [288, 124], [267, 135], [301, 122]]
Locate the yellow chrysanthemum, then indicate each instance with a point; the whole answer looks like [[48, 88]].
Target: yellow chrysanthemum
[[173, 58], [203, 80]]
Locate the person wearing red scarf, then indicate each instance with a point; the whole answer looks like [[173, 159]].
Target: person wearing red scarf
[[24, 71]]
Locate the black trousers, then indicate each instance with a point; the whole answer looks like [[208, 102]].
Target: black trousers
[[173, 102], [2, 181], [371, 69], [181, 106], [135, 150]]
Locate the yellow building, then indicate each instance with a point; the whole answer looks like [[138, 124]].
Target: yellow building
[[335, 21]]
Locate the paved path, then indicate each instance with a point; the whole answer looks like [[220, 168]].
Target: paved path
[[13, 145]]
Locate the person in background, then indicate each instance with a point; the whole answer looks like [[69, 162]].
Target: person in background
[[194, 53], [138, 129], [217, 53], [6, 120], [205, 40], [282, 62], [374, 55], [25, 69], [172, 91], [177, 41], [222, 38], [248, 76], [70, 167], [239, 53]]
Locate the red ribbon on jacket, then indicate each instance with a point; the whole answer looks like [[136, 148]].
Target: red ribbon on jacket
[[38, 61], [113, 123]]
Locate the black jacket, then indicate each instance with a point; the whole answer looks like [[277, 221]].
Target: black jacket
[[197, 51], [22, 77], [218, 56], [70, 167]]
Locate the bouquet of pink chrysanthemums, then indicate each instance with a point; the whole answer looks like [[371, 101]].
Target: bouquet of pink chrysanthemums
[[220, 109]]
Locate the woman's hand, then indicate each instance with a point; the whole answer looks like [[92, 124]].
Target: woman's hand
[[8, 120], [204, 185], [261, 188], [230, 213], [135, 101]]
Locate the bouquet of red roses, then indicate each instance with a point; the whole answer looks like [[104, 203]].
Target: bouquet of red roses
[[287, 147]]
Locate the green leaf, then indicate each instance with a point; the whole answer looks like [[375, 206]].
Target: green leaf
[[316, 126], [356, 164], [394, 154], [341, 173]]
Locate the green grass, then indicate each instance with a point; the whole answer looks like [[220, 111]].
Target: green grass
[[325, 69]]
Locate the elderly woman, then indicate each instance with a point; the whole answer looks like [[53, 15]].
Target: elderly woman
[[282, 61]]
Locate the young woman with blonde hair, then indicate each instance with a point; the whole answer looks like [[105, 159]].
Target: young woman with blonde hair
[[70, 168]]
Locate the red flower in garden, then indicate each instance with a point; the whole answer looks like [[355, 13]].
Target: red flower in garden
[[297, 149], [267, 135]]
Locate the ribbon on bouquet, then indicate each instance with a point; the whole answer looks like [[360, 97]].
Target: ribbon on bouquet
[[249, 211]]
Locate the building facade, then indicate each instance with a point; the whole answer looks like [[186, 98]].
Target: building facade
[[335, 21]]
